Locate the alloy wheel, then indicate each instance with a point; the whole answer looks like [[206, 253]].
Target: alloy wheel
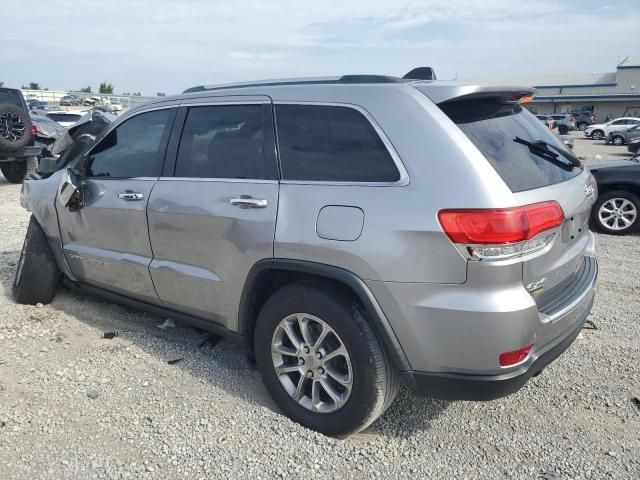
[[312, 363], [617, 214], [618, 141]]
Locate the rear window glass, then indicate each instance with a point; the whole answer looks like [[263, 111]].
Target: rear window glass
[[331, 143], [64, 117], [11, 97], [498, 129]]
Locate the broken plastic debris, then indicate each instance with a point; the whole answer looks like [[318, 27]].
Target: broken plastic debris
[[168, 323], [110, 335], [590, 325], [173, 362]]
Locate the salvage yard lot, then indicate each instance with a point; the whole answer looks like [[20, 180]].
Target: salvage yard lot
[[74, 405]]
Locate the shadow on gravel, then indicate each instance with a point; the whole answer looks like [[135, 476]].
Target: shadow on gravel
[[224, 365], [408, 414]]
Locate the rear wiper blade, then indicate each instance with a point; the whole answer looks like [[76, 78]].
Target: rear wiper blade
[[541, 149]]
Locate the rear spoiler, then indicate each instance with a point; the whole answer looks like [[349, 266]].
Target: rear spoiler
[[451, 92]]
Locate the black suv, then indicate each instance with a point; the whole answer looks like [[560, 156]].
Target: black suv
[[18, 155]]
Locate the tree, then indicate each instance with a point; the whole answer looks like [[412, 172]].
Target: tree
[[1, 84], [34, 86], [85, 90], [106, 88]]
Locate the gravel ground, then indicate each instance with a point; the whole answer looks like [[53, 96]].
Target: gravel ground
[[75, 406]]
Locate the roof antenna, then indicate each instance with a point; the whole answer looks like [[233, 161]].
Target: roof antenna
[[421, 73]]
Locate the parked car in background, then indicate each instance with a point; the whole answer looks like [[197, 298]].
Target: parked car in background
[[547, 120], [617, 209], [39, 107], [583, 119], [620, 137], [565, 122], [66, 119], [91, 101], [276, 223], [601, 130], [115, 103], [70, 100], [45, 132], [108, 108]]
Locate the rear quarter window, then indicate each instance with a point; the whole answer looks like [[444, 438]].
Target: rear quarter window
[[493, 127], [333, 144]]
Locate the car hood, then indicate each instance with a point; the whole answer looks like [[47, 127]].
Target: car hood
[[596, 125], [614, 164]]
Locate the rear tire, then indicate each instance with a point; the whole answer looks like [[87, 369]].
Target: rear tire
[[373, 380], [563, 130], [582, 126], [37, 274], [616, 212], [617, 140], [597, 134], [17, 171]]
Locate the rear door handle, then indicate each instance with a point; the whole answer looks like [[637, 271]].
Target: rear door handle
[[130, 196], [245, 201]]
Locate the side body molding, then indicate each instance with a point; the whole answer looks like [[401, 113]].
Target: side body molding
[[379, 321]]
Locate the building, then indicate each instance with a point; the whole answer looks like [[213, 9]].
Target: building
[[611, 93]]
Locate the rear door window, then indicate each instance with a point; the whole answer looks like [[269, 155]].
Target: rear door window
[[331, 143], [497, 130], [225, 141]]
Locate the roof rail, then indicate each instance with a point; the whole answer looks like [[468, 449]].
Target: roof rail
[[345, 79]]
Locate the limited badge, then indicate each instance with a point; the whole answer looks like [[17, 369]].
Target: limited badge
[[536, 288]]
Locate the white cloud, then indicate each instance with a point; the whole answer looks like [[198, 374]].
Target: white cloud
[[161, 45]]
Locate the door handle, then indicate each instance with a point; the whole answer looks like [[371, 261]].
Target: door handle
[[130, 196], [245, 201]]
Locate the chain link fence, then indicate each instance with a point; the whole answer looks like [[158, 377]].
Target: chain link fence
[[54, 97]]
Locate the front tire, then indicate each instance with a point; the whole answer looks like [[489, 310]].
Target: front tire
[[562, 130], [321, 361], [37, 274], [617, 140], [597, 134], [616, 212], [582, 126]]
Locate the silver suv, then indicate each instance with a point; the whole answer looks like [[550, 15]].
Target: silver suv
[[350, 232]]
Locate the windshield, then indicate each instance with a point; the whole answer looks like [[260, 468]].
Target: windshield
[[494, 128]]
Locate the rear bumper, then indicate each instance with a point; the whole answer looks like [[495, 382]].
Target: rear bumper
[[453, 386], [21, 154], [462, 386]]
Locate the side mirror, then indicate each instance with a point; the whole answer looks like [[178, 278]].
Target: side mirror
[[68, 190]]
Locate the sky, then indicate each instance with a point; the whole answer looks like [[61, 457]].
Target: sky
[[167, 46]]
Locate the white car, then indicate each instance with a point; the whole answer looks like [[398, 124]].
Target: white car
[[64, 118], [601, 130]]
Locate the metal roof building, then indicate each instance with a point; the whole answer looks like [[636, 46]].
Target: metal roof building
[[610, 93]]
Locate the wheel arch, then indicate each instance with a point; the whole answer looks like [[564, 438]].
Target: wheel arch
[[626, 186], [269, 275]]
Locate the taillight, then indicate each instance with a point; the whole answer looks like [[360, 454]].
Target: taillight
[[500, 232], [34, 130], [508, 359]]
